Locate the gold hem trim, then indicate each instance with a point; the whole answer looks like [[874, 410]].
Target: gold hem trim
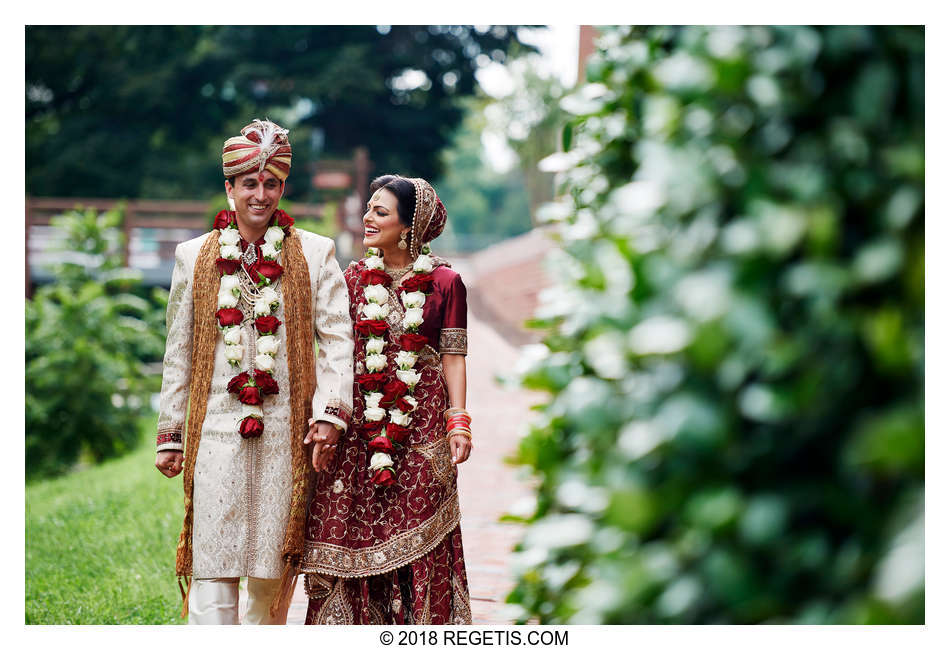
[[328, 559]]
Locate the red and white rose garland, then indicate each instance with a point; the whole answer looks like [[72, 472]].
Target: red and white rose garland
[[251, 385], [388, 387]]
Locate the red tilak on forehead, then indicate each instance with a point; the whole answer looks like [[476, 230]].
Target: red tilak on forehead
[[260, 177]]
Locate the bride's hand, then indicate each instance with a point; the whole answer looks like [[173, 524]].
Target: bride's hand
[[461, 447]]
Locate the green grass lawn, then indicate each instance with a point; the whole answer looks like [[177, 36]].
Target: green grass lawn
[[100, 544]]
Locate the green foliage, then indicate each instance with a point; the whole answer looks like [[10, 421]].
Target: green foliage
[[736, 343], [100, 543], [155, 102], [86, 337], [486, 206]]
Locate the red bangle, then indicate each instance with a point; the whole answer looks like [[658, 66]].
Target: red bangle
[[454, 421]]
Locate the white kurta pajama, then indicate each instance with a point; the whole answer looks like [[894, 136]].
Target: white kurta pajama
[[242, 486]]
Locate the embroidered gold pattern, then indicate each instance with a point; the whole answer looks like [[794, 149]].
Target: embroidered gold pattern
[[439, 456], [453, 340], [338, 409], [394, 553]]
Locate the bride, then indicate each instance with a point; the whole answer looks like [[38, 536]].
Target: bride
[[383, 543]]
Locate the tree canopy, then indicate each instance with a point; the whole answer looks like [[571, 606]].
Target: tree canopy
[[141, 111]]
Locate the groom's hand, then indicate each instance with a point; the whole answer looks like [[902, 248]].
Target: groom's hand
[[169, 462], [324, 437]]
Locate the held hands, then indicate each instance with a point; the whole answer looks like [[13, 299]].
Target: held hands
[[324, 437], [169, 462]]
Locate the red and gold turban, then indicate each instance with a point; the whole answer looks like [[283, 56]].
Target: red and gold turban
[[261, 146]]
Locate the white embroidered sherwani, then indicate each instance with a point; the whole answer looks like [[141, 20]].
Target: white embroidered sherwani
[[242, 486]]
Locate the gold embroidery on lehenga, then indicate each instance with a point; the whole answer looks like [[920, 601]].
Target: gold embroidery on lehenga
[[336, 611], [395, 552], [439, 456], [461, 606]]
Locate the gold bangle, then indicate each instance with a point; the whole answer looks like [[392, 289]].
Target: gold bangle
[[455, 410], [459, 432]]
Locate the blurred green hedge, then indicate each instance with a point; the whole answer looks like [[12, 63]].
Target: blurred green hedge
[[87, 336], [735, 353]]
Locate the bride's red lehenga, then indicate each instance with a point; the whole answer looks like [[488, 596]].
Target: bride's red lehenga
[[384, 555]]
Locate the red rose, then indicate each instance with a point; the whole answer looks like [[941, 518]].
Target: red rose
[[393, 391], [418, 282], [227, 267], [265, 382], [413, 342], [227, 317], [371, 429], [381, 443], [284, 220], [251, 427], [251, 395], [371, 381], [223, 219], [269, 269], [237, 383], [384, 477], [267, 324], [375, 276], [375, 327], [403, 405], [396, 433]]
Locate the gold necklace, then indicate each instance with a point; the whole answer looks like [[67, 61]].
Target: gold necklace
[[396, 274]]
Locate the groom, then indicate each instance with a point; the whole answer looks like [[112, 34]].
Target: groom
[[248, 300]]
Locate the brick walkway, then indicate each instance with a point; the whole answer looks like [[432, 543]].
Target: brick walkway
[[487, 486]]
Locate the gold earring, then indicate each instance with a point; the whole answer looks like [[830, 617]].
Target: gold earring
[[402, 240]]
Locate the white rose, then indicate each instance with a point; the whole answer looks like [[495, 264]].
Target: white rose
[[423, 264], [376, 293], [413, 318], [398, 417], [229, 237], [409, 377], [375, 262], [226, 299], [375, 345], [405, 360], [267, 344], [379, 461], [372, 400], [230, 283], [230, 252], [232, 335], [264, 362], [374, 414], [375, 362], [409, 399], [249, 409], [373, 311], [268, 294], [234, 352], [261, 307], [269, 252], [274, 235], [413, 300]]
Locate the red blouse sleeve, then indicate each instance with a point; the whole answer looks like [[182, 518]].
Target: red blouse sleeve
[[453, 337]]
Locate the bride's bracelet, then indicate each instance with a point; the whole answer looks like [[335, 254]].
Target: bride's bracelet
[[459, 431], [456, 411]]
